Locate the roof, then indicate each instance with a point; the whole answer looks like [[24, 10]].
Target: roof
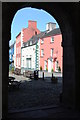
[[41, 35], [53, 32], [35, 38], [18, 34], [50, 22]]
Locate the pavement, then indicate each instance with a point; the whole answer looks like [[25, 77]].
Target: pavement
[[38, 99], [32, 93], [57, 112]]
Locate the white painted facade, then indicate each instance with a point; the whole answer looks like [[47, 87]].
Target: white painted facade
[[28, 57]]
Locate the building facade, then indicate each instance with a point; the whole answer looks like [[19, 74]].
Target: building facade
[[43, 51], [51, 52], [24, 36], [30, 54], [11, 54], [14, 55], [37, 50]]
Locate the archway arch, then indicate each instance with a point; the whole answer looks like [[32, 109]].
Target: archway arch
[[62, 16], [63, 19], [47, 76]]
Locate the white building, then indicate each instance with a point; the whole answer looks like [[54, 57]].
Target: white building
[[30, 53], [28, 58], [30, 50]]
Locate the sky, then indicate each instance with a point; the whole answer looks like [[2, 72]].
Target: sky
[[22, 16]]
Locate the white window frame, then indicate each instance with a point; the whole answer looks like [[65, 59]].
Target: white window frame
[[27, 44], [30, 42], [23, 63], [42, 52], [52, 50], [52, 39], [42, 41]]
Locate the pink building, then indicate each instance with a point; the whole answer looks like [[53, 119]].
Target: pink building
[[24, 36], [51, 52], [50, 49]]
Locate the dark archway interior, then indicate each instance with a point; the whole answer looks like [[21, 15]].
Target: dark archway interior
[[67, 15]]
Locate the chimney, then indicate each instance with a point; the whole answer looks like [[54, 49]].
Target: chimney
[[50, 26], [32, 24]]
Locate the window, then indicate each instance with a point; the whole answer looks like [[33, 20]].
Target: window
[[23, 63], [27, 44], [28, 63], [19, 61], [42, 52], [52, 39], [45, 65], [42, 41], [17, 50], [51, 52], [35, 33], [30, 42]]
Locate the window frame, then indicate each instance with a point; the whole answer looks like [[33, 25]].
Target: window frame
[[42, 52], [42, 41], [52, 41], [52, 49]]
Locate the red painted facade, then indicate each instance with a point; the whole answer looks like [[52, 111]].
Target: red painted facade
[[47, 45], [30, 31], [18, 51], [51, 52]]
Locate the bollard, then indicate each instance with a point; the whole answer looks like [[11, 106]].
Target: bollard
[[34, 74], [52, 75], [37, 75], [43, 75]]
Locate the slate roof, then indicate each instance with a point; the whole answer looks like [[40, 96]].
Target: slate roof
[[44, 34], [35, 38], [53, 32]]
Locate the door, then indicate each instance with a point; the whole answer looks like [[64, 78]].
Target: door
[[49, 65], [56, 66], [45, 65], [28, 63]]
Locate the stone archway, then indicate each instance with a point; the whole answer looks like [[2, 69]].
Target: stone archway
[[61, 13]]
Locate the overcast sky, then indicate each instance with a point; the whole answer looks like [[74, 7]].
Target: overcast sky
[[22, 16]]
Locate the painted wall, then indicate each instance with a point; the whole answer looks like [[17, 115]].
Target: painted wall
[[14, 56], [18, 51], [30, 31], [57, 51], [24, 35], [28, 53]]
